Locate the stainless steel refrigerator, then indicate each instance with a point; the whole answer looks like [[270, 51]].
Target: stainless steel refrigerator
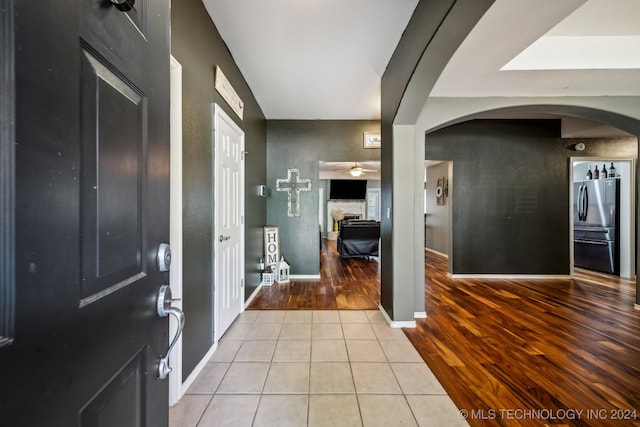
[[596, 229]]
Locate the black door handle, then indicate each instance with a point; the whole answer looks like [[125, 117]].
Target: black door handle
[[124, 5]]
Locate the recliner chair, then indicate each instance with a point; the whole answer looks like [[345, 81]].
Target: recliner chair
[[358, 238]]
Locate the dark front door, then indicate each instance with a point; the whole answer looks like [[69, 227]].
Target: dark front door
[[91, 208]]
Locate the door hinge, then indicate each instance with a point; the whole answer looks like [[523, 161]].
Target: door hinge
[[241, 219], [242, 283]]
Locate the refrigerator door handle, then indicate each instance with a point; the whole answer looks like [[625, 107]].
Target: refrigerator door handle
[[585, 203], [579, 202]]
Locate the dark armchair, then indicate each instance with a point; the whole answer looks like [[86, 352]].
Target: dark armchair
[[358, 238]]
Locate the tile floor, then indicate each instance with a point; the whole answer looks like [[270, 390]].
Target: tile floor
[[315, 368]]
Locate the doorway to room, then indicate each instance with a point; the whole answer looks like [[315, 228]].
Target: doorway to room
[[437, 206], [366, 206], [602, 212]]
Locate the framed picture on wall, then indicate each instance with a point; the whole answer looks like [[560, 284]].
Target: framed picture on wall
[[372, 140]]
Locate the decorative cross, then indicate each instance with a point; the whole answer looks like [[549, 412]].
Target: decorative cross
[[293, 185]]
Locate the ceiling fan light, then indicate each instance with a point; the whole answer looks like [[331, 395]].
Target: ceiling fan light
[[356, 171]]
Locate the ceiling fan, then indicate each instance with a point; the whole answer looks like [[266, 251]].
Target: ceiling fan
[[356, 170]]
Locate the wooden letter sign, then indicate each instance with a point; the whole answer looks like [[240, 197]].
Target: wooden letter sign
[[271, 245]]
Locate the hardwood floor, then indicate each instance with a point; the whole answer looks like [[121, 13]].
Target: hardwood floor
[[509, 352], [345, 284], [504, 347]]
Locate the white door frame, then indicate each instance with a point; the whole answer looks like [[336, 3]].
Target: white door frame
[[175, 233], [220, 114]]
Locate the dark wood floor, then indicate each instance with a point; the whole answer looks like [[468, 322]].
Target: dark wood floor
[[351, 284], [510, 352], [551, 345]]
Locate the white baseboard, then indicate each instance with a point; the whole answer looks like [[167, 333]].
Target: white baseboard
[[395, 324], [636, 306], [509, 276], [419, 314], [437, 252], [199, 367], [252, 296], [305, 276]]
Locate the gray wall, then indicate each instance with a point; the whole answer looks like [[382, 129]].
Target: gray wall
[[197, 45], [301, 144], [433, 34], [437, 216]]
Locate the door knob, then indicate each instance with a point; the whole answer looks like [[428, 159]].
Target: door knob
[[164, 309], [223, 238]]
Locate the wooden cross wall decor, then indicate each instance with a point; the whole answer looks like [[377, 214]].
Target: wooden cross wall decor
[[293, 185]]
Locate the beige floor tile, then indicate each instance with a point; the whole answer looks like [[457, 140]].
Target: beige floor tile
[[374, 378], [256, 351], [248, 316], [287, 378], [385, 332], [416, 378], [237, 331], [244, 378], [334, 410], [295, 331], [365, 351], [358, 331], [282, 411], [226, 351], [400, 351], [328, 351], [353, 316], [331, 377], [188, 411], [385, 411], [264, 331], [326, 331], [298, 316], [293, 351], [209, 378], [375, 316], [230, 411], [325, 316], [436, 411], [315, 368], [271, 316]]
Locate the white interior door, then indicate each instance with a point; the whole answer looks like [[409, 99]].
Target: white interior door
[[229, 221]]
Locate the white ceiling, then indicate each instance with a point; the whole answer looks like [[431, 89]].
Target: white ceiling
[[558, 49], [323, 59], [313, 59]]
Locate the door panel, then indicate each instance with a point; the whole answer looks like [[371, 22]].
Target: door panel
[[92, 206], [229, 291], [115, 152], [120, 400]]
